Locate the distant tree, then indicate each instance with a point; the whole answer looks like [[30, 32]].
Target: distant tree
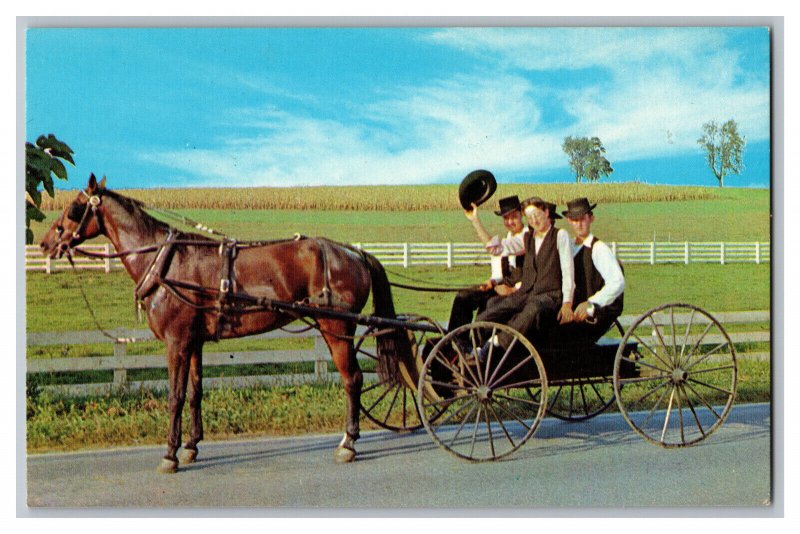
[[42, 162], [586, 158], [724, 148]]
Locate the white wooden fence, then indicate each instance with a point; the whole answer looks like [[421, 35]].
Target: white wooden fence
[[450, 254], [121, 362]]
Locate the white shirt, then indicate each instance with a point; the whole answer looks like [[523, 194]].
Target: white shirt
[[512, 245], [565, 254], [608, 267]]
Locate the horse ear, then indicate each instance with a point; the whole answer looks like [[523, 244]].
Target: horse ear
[[103, 183], [92, 185]]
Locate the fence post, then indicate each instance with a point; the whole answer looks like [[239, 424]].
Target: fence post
[[47, 264], [449, 255], [722, 253], [758, 252], [686, 253], [405, 255], [320, 361], [120, 373], [614, 248], [653, 253], [108, 259]]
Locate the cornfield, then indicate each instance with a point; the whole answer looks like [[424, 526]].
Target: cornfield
[[387, 198]]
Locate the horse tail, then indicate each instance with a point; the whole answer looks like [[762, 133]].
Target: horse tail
[[393, 344]]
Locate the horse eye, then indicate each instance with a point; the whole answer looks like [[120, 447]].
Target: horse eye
[[76, 212]]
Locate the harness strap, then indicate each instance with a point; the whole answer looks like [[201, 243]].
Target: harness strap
[[228, 251]]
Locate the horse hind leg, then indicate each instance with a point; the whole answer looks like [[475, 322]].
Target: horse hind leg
[[339, 337], [195, 398]]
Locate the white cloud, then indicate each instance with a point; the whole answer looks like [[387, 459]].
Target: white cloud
[[660, 86]]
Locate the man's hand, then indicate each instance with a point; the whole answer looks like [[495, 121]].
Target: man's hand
[[565, 314], [581, 312], [504, 290], [487, 285], [472, 214]]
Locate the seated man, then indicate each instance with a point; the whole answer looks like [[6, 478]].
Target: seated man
[[599, 281], [547, 281], [468, 301]]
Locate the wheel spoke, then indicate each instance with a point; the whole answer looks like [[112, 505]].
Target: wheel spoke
[[479, 378], [725, 391], [666, 418], [471, 402], [651, 350], [502, 360], [712, 369], [448, 365], [694, 414], [660, 337], [699, 340], [391, 405], [583, 399], [510, 372], [703, 400], [653, 409], [644, 379], [523, 384], [373, 386], [686, 338], [653, 390], [448, 385], [474, 381], [642, 362], [674, 334], [599, 396], [475, 430], [706, 355], [526, 401], [473, 405], [489, 356], [405, 404], [489, 430], [502, 427], [382, 395], [512, 414], [680, 412], [555, 397]]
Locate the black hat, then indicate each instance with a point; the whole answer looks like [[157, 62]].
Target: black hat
[[508, 204], [542, 205], [577, 208], [476, 187]]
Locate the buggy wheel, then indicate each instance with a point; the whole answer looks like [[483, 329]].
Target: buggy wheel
[[389, 401], [480, 410], [579, 399], [680, 380]]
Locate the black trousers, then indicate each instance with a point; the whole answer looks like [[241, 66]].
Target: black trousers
[[527, 313], [465, 304]]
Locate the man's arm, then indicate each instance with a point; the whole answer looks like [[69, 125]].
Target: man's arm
[[608, 267], [472, 216], [512, 245], [567, 276]]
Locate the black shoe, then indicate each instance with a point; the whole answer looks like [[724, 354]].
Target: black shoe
[[483, 352]]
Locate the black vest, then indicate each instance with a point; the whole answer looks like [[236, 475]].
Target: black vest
[[541, 273], [588, 280]]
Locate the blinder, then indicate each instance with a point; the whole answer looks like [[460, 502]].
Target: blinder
[[76, 212]]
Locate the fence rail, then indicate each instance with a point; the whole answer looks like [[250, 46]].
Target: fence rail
[[121, 362], [450, 254]]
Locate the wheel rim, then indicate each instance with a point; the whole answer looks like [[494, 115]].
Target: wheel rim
[[685, 379], [390, 403], [483, 410]]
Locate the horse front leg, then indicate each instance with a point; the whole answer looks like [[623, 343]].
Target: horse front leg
[[339, 338], [178, 356], [189, 452]]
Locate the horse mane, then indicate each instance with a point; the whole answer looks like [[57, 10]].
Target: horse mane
[[135, 214]]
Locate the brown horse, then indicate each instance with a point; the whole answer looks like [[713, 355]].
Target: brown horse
[[183, 280]]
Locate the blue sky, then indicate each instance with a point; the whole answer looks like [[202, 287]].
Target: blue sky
[[286, 107]]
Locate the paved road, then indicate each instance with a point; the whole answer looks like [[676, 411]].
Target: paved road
[[601, 462]]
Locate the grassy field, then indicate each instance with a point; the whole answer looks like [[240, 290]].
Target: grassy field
[[627, 213]]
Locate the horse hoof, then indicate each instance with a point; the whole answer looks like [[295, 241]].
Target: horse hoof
[[187, 456], [167, 466], [343, 455]]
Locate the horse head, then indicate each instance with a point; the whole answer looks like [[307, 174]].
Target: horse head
[[79, 221]]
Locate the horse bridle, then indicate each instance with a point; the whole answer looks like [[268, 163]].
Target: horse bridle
[[92, 204]]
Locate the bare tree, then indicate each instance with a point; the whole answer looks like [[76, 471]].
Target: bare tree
[[724, 148]]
